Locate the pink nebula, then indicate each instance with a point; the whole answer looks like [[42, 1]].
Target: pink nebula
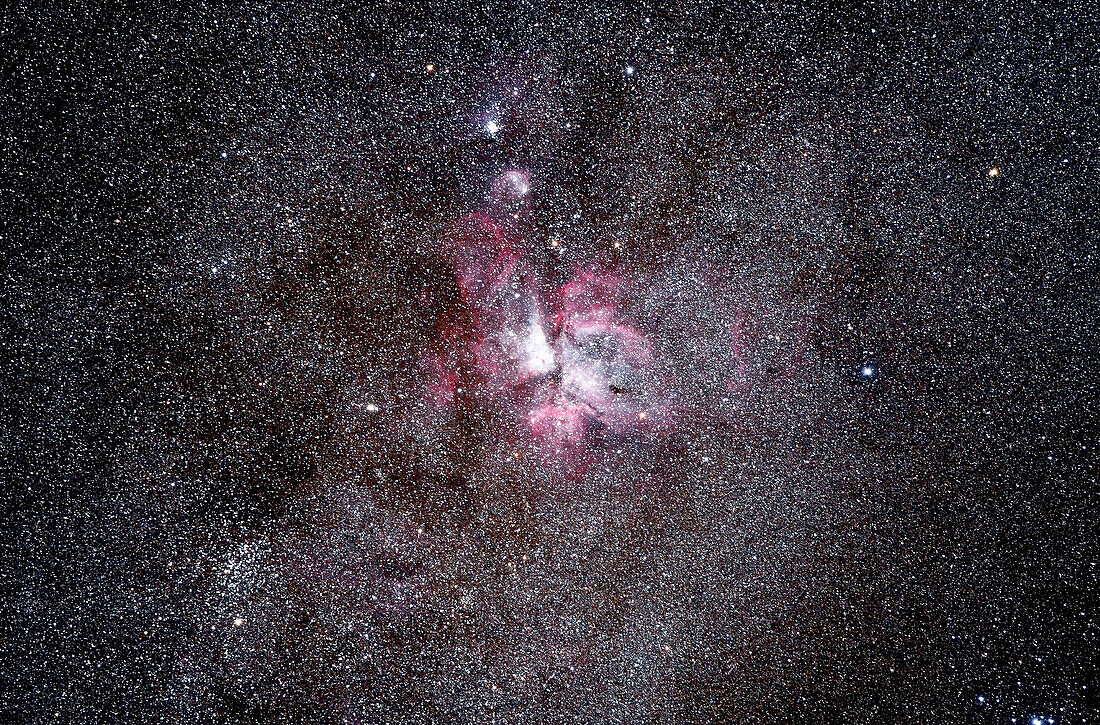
[[564, 369], [564, 366]]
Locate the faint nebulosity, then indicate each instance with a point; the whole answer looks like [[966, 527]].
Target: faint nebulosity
[[535, 363]]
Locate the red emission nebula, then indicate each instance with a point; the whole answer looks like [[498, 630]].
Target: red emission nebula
[[563, 366]]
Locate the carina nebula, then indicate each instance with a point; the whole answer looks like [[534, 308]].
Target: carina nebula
[[566, 362], [567, 353]]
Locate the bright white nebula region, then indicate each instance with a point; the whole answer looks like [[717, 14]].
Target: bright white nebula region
[[567, 362]]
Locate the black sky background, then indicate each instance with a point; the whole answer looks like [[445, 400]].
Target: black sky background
[[218, 220]]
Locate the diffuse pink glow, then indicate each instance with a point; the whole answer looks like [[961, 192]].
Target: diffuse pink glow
[[566, 365], [565, 368]]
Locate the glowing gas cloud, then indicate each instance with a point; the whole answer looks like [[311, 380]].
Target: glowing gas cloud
[[565, 365]]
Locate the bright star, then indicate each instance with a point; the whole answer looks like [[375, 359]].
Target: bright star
[[492, 128], [867, 371]]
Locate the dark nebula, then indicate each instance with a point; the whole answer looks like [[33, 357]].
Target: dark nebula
[[521, 363]]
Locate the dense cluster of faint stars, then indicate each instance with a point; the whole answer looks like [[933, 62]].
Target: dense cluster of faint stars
[[713, 364]]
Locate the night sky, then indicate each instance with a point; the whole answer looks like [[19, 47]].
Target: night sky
[[534, 363]]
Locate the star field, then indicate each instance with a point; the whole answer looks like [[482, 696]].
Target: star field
[[477, 362]]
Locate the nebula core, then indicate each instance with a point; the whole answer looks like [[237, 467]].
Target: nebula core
[[567, 364]]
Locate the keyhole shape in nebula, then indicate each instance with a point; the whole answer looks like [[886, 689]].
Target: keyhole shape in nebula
[[564, 362]]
